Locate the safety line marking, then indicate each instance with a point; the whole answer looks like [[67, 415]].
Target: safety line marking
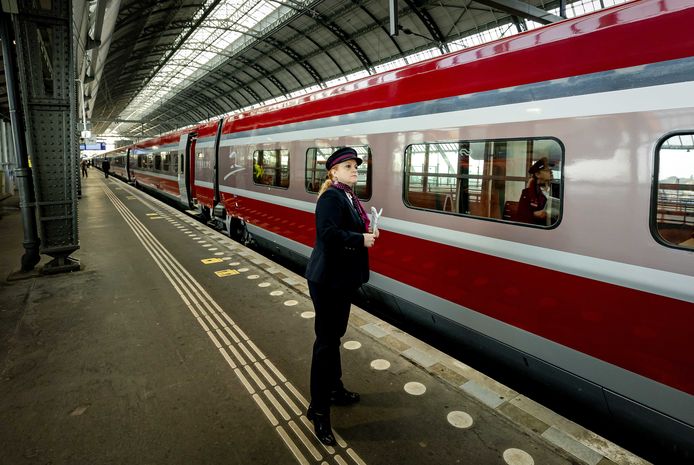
[[288, 400], [244, 381], [283, 413], [248, 354], [221, 335], [206, 312], [265, 410], [227, 358], [295, 450], [265, 374], [305, 441], [254, 377]]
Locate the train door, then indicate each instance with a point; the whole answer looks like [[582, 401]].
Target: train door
[[186, 169], [127, 166], [219, 209]]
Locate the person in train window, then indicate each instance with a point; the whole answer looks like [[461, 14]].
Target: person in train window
[[338, 266], [533, 199]]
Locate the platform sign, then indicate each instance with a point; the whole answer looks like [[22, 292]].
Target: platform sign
[[93, 146]]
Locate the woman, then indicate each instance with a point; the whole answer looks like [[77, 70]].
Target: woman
[[531, 205], [339, 264]]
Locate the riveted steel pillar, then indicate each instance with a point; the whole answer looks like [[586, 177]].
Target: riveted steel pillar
[[45, 54], [22, 171]]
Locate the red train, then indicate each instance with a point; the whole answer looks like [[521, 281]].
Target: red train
[[598, 297]]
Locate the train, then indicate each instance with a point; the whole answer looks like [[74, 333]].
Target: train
[[596, 300]]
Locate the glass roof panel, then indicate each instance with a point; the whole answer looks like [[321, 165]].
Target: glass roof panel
[[227, 23]]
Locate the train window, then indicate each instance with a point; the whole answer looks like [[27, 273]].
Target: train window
[[173, 159], [514, 180], [165, 161], [316, 174], [132, 160], [204, 163], [271, 167], [672, 211]]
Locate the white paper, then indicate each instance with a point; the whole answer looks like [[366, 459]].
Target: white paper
[[375, 215]]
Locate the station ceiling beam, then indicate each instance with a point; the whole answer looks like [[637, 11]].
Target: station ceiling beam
[[522, 9]]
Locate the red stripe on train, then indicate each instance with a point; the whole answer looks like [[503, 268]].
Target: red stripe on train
[[153, 181]]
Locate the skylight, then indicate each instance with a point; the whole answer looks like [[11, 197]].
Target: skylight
[[231, 21]]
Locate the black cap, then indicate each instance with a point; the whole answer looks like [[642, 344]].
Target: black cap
[[539, 165], [340, 155]]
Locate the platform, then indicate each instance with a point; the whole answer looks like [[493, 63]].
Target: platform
[[176, 345]]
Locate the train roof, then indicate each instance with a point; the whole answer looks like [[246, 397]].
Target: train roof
[[623, 36], [627, 35]]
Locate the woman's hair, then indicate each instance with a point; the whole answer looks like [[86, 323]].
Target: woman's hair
[[327, 183]]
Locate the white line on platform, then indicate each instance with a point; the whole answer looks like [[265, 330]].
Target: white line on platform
[[207, 312]]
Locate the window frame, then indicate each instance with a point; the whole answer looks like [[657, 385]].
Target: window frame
[[369, 169], [562, 147], [278, 153], [653, 207]]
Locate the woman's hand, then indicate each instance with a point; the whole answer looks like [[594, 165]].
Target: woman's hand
[[376, 233], [369, 240]]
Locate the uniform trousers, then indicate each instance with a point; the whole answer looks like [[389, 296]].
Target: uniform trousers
[[332, 314]]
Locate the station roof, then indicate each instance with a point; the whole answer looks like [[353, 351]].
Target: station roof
[[154, 66]]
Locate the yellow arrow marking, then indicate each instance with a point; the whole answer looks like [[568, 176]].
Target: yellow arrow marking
[[209, 261]]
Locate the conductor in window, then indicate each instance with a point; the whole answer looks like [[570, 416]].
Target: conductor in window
[[533, 199], [338, 266]]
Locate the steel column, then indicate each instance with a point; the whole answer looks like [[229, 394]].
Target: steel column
[[45, 53], [22, 173]]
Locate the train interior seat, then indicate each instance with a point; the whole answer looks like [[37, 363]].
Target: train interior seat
[[439, 201], [510, 210]]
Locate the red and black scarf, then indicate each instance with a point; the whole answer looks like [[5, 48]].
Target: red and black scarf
[[355, 201]]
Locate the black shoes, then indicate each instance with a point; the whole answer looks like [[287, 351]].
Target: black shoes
[[321, 420], [321, 425], [343, 397]]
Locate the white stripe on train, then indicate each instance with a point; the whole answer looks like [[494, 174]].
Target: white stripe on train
[[653, 98]]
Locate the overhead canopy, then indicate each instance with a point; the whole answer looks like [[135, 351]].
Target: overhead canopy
[[174, 63]]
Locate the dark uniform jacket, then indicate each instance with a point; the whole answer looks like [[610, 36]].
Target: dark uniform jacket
[[339, 258], [531, 200]]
